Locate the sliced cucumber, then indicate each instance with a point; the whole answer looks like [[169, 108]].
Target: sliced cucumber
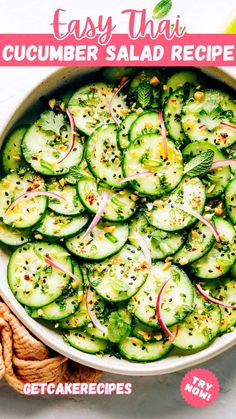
[[147, 123], [216, 180], [178, 79], [199, 241], [207, 119], [11, 155], [59, 309], [31, 279], [120, 206], [172, 114], [146, 153], [95, 332], [103, 155], [13, 237], [61, 226], [28, 211], [230, 200], [90, 106], [123, 133], [220, 259], [135, 349], [119, 277], [177, 299], [224, 290], [84, 342], [160, 243], [105, 240], [72, 205], [43, 149], [167, 216], [200, 327]]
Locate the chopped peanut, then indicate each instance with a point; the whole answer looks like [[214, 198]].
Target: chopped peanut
[[62, 106], [16, 157], [165, 87], [212, 187], [189, 123], [194, 234], [62, 182], [80, 296], [183, 261], [158, 336], [199, 96], [134, 197], [154, 81], [109, 229], [38, 237], [168, 259], [219, 209], [139, 111], [166, 266], [158, 203], [135, 340], [40, 311], [144, 335], [148, 125], [52, 103], [125, 111]]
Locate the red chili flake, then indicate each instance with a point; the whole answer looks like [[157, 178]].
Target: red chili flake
[[26, 277], [34, 158]]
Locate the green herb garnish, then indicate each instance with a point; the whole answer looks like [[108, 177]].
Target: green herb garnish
[[49, 121], [199, 164], [144, 93], [118, 328], [161, 9]]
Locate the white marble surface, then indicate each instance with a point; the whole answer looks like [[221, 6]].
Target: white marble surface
[[152, 397]]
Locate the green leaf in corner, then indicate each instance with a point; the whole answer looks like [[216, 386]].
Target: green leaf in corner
[[161, 9], [144, 93], [199, 164], [50, 121]]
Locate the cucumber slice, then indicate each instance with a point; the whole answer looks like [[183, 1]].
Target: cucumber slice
[[119, 277], [11, 155], [167, 216], [202, 119], [13, 237], [230, 200], [160, 243], [220, 259], [178, 79], [145, 333], [146, 153], [224, 289], [72, 206], [27, 212], [79, 319], [147, 123], [200, 327], [105, 240], [216, 180], [177, 299], [122, 134], [90, 106], [135, 349], [34, 282], [95, 332], [199, 241], [103, 155], [84, 342], [172, 114], [120, 206], [61, 226], [43, 149], [59, 309]]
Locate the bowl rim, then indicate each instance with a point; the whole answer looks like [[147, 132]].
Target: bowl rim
[[50, 337]]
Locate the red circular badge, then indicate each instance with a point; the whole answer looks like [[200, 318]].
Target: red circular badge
[[199, 387]]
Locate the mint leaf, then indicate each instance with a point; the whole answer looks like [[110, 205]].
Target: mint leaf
[[118, 328], [144, 93], [161, 9], [52, 122], [199, 164], [77, 173]]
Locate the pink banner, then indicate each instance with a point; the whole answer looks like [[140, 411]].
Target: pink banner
[[46, 50]]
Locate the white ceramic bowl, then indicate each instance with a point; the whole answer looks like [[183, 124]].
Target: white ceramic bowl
[[175, 361]]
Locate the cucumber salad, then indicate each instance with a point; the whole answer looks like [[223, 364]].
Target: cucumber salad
[[118, 207]]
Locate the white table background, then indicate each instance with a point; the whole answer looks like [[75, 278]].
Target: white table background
[[152, 397]]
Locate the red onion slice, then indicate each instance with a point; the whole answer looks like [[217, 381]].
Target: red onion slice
[[55, 264], [111, 110], [212, 299], [92, 313], [221, 163], [145, 248], [202, 126], [202, 219], [32, 194], [163, 134], [101, 209], [135, 176], [228, 125], [159, 312], [72, 140]]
